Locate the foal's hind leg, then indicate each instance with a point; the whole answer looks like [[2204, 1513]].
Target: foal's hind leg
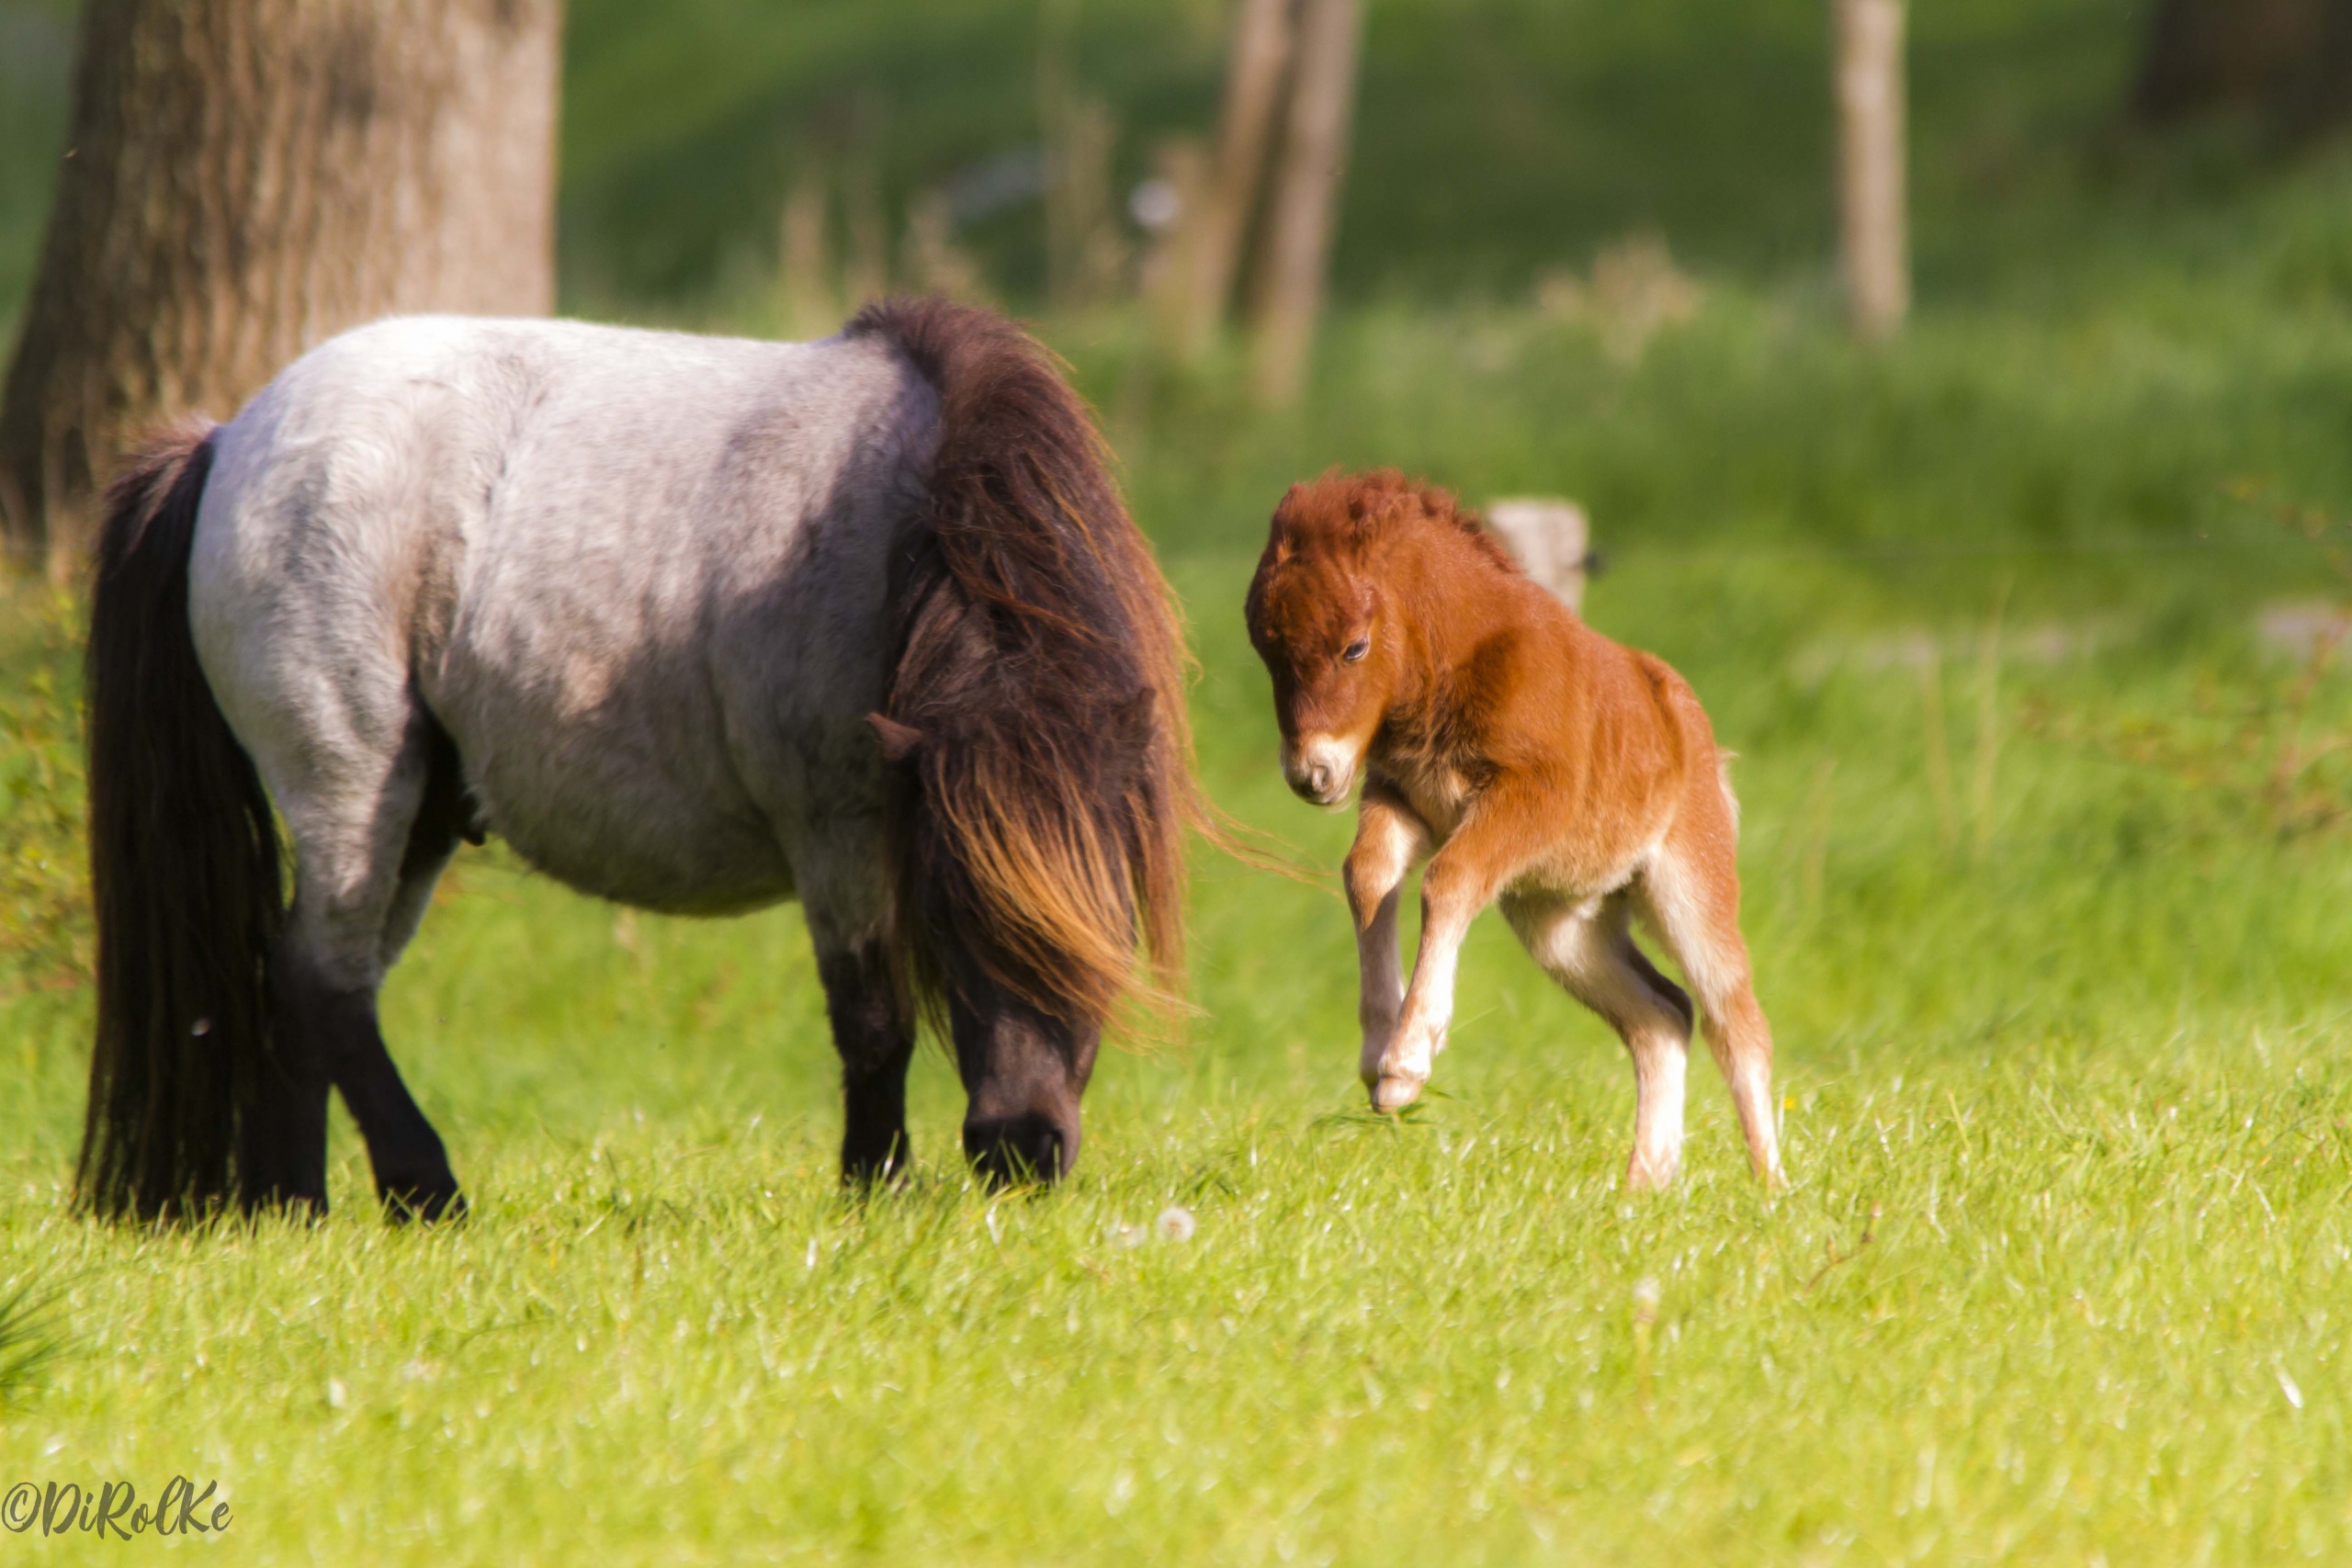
[[1690, 892], [1586, 945]]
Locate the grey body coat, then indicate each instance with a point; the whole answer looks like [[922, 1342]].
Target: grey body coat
[[632, 576]]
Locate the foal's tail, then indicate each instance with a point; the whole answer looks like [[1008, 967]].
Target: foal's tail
[[184, 867], [1038, 700]]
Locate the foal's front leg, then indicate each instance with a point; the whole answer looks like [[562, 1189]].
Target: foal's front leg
[[1390, 841], [1482, 856]]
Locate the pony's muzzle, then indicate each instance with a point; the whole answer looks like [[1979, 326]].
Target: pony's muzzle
[[1013, 1150], [1025, 1073]]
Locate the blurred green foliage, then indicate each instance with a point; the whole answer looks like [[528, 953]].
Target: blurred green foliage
[[36, 68], [1496, 137], [45, 931]]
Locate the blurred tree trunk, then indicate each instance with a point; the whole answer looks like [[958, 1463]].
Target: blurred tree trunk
[[1302, 212], [2289, 62], [244, 179], [1874, 230], [1255, 70]]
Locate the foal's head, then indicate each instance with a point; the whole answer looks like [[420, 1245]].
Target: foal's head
[[1327, 615]]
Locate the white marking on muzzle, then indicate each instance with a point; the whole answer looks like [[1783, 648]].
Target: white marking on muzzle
[[1322, 768]]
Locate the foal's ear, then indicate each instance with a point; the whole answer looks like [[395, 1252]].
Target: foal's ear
[[1278, 536], [900, 741]]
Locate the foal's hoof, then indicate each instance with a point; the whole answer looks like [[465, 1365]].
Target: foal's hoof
[[1654, 1175], [428, 1203], [1393, 1093]]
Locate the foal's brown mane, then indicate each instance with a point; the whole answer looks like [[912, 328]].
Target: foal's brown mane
[[1354, 512]]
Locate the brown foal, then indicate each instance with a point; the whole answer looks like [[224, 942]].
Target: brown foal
[[1530, 759]]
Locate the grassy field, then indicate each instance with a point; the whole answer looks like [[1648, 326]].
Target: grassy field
[[2046, 855], [2060, 981]]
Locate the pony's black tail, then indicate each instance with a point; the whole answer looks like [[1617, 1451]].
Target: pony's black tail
[[1037, 704], [184, 867]]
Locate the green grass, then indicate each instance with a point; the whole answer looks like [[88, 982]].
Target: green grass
[[2068, 1083]]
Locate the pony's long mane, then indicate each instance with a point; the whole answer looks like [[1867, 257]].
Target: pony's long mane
[[1039, 826]]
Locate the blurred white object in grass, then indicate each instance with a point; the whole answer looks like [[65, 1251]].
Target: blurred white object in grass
[[2303, 629], [2289, 1387], [1548, 537]]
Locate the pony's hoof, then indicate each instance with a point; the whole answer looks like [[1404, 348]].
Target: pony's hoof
[[434, 1204], [306, 1207], [875, 1176], [1393, 1093]]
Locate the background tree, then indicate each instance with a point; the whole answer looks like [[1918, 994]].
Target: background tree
[[1874, 242], [1303, 205], [244, 178], [1257, 65]]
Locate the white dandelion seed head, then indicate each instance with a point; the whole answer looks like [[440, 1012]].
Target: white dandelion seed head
[[2289, 1387], [1174, 1224]]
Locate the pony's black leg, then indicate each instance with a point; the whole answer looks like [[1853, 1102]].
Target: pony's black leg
[[337, 1024], [875, 1039], [413, 1175], [282, 1130], [411, 1167], [325, 1033]]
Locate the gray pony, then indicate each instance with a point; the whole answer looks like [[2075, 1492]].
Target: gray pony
[[696, 624]]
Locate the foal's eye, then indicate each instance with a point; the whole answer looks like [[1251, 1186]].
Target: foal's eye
[[1355, 651]]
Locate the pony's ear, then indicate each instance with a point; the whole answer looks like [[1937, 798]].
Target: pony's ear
[[900, 741], [1128, 726]]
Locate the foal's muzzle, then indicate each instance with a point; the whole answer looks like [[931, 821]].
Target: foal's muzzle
[[1315, 783], [1319, 773]]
